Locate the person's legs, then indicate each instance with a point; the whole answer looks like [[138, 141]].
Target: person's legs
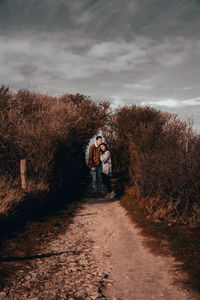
[[103, 179], [106, 182], [94, 180], [109, 184], [98, 179]]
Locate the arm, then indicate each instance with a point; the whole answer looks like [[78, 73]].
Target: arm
[[105, 157], [90, 162]]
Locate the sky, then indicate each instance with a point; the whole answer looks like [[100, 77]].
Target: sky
[[144, 52]]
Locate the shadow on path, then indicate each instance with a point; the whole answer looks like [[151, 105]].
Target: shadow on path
[[13, 259]]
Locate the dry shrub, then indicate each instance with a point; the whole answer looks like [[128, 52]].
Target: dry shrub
[[52, 133], [160, 156]]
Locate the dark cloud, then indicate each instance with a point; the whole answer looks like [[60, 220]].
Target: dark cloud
[[104, 19], [121, 50]]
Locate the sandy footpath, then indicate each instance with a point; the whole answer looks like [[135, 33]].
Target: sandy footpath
[[136, 273], [100, 255]]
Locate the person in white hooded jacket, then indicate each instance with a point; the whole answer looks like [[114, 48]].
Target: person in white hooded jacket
[[106, 164]]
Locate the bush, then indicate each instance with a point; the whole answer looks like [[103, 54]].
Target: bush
[[159, 155], [52, 133]]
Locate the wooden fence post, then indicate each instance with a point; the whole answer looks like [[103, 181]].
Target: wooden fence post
[[23, 171]]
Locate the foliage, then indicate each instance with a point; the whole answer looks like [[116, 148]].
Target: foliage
[[160, 155], [52, 133]]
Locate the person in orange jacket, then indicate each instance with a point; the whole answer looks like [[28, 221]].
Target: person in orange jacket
[[94, 164]]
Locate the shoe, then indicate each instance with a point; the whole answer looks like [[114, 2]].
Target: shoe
[[107, 196], [112, 195]]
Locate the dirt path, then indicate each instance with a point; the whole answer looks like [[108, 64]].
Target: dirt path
[[99, 256], [136, 273]]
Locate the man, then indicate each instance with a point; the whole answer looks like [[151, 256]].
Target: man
[[94, 164]]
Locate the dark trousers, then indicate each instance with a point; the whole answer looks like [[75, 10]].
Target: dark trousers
[[106, 181], [96, 179]]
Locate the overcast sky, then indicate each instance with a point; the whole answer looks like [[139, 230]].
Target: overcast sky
[[139, 51]]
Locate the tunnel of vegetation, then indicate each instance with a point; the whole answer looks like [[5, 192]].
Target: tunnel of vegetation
[[157, 154]]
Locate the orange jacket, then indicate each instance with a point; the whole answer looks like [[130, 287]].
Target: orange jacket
[[94, 156]]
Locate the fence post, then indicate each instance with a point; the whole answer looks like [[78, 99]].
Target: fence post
[[23, 171]]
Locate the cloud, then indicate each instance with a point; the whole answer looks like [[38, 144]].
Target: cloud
[[192, 102], [134, 49], [172, 102], [48, 59], [165, 102], [116, 101], [140, 68], [103, 19], [131, 50], [138, 86]]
